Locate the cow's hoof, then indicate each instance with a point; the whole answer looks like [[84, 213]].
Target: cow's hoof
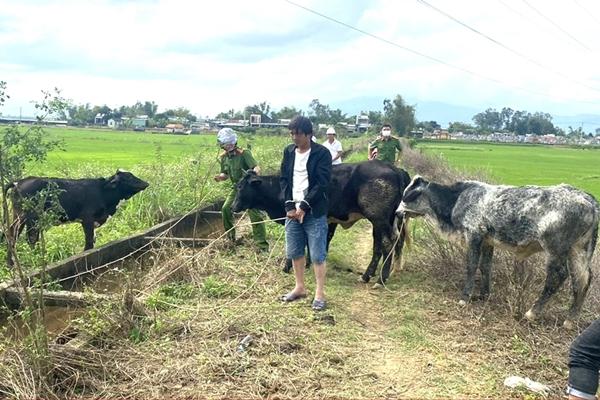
[[484, 297], [530, 315], [568, 324], [364, 279], [462, 303], [377, 286]]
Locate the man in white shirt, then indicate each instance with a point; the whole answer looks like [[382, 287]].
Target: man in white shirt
[[304, 181], [334, 146]]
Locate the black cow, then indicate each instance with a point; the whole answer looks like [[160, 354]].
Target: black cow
[[370, 189], [89, 201], [561, 221]]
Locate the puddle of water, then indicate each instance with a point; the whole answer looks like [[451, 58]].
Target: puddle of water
[[109, 281], [56, 320]]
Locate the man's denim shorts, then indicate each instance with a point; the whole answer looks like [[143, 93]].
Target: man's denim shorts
[[312, 231]]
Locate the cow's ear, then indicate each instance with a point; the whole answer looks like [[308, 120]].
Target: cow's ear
[[113, 181], [420, 181]]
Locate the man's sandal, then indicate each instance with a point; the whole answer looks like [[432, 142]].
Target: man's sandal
[[289, 297]]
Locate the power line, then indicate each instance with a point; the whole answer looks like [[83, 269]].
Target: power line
[[556, 25], [588, 13], [505, 47], [437, 60], [530, 20], [464, 70]]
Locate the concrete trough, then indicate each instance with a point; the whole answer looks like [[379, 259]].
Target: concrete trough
[[190, 229]]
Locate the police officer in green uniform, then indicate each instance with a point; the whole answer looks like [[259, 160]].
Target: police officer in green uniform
[[385, 146], [234, 161]]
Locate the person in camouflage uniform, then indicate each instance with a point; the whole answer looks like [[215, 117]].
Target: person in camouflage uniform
[[234, 162], [385, 146]]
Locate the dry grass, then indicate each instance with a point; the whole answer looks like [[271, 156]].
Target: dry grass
[[175, 324], [434, 167]]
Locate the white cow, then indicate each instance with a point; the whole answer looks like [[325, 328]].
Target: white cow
[[561, 221]]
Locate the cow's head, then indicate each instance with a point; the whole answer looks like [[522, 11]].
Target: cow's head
[[415, 200], [126, 183], [248, 188]]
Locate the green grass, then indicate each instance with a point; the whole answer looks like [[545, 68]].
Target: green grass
[[525, 164], [409, 339], [180, 169], [125, 149]]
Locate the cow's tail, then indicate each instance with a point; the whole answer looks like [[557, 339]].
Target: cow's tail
[[8, 186], [594, 239]]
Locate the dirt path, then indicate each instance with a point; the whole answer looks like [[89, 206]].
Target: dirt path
[[395, 369], [417, 342]]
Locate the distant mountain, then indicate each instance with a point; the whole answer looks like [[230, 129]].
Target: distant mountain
[[587, 122], [445, 113], [358, 104]]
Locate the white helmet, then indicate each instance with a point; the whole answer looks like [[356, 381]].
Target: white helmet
[[330, 131], [226, 136]]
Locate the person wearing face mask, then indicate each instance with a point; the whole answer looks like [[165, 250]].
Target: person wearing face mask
[[234, 162], [386, 147]]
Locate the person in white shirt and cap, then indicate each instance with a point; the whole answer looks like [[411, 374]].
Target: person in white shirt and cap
[[334, 146]]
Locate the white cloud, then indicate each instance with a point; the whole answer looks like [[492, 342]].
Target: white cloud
[[213, 56]]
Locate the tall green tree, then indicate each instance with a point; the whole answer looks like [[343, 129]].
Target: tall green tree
[[505, 115], [319, 113], [540, 124], [399, 115], [150, 108], [375, 119], [518, 122], [488, 121]]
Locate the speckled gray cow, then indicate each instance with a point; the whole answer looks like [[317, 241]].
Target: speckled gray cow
[[561, 221]]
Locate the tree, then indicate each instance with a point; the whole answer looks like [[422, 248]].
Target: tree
[[150, 108], [428, 126], [285, 113], [376, 120], [540, 124], [518, 122], [181, 114], [505, 115], [81, 115], [575, 133], [455, 127], [319, 113], [488, 121], [231, 114], [336, 116], [20, 146], [223, 115], [264, 108], [399, 114]]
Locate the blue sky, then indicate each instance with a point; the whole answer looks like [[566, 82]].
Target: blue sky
[[217, 55]]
